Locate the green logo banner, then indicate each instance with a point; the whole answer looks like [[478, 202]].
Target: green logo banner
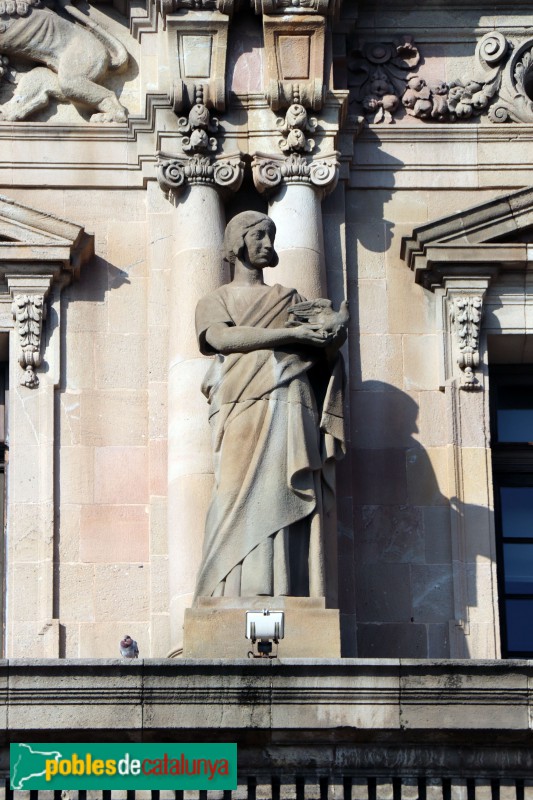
[[123, 766]]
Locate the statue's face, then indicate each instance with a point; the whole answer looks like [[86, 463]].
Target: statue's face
[[259, 242]]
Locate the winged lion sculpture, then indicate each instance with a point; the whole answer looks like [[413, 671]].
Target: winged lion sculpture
[[74, 59]]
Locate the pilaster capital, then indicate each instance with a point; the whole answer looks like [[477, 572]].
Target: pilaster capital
[[270, 172], [223, 173]]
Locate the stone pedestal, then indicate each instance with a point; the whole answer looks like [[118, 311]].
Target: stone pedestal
[[215, 628]]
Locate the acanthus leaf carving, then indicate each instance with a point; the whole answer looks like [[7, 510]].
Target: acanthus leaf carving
[[29, 311], [465, 316]]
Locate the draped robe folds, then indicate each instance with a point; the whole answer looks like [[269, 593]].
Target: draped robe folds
[[273, 453]]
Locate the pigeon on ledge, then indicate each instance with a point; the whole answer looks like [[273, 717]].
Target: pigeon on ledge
[[128, 647]]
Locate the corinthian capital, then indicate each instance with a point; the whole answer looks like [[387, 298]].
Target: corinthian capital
[[176, 172], [271, 172]]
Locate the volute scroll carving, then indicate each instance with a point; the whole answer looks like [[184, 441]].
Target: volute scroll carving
[[269, 172], [174, 172]]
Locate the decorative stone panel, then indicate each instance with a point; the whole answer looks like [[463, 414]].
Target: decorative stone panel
[[197, 44], [294, 60]]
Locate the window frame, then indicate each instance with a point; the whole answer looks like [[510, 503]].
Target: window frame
[[512, 466]]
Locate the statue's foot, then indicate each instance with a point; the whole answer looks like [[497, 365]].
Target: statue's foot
[[113, 115], [9, 116]]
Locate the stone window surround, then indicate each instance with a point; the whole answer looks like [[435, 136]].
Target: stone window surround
[[480, 288], [39, 255]]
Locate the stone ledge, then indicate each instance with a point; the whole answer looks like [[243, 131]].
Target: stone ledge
[[372, 697]]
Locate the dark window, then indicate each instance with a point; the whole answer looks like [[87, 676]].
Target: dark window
[[511, 395]]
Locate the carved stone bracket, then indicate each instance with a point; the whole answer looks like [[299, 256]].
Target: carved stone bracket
[[465, 317], [29, 311], [174, 173], [197, 45], [294, 60], [270, 172]]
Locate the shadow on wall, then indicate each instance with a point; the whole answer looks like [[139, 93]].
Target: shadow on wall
[[407, 581]]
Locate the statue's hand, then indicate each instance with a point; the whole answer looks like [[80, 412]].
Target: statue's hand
[[313, 335]]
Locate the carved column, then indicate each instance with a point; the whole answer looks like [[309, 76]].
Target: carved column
[[296, 186], [195, 185]]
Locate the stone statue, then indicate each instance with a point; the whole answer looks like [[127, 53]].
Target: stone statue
[[75, 58], [275, 390]]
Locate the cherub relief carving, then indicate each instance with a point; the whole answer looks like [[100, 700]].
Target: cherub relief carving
[[75, 59]]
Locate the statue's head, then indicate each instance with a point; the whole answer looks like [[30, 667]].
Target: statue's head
[[241, 233]]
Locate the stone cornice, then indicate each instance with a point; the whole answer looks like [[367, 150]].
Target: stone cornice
[[299, 694]]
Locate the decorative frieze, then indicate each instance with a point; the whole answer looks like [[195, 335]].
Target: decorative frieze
[[498, 83], [377, 77], [269, 172], [465, 317], [464, 97]]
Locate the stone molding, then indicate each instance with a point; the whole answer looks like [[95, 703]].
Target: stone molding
[[326, 8], [271, 172], [293, 695]]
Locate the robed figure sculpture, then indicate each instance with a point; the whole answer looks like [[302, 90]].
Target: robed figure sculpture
[[275, 392]]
